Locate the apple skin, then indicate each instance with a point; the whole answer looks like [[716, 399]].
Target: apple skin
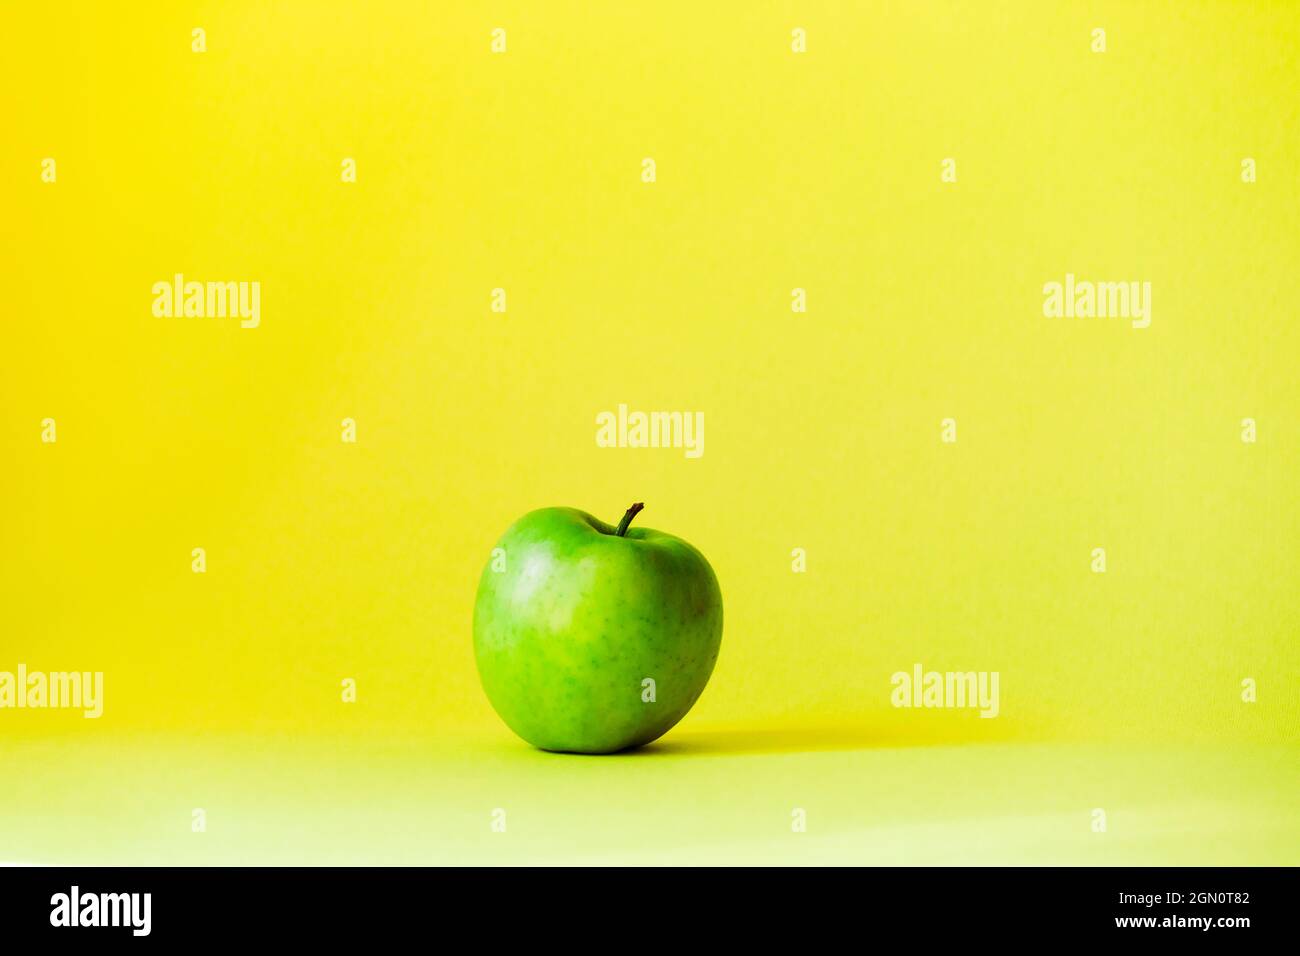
[[580, 616]]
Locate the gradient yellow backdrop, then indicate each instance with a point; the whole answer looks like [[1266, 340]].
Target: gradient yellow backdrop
[[775, 171]]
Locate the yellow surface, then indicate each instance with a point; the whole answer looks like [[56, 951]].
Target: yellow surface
[[698, 797], [775, 171]]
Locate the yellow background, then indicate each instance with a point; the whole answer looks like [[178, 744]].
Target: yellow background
[[522, 171]]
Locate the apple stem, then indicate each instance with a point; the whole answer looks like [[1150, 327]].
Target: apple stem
[[627, 519]]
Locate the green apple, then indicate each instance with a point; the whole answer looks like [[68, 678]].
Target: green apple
[[591, 638]]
